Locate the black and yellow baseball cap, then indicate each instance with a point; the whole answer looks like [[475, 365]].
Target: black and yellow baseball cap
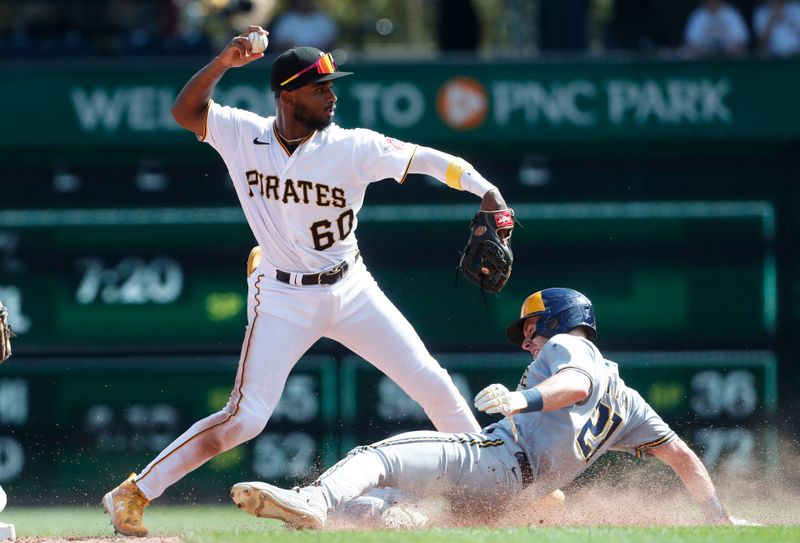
[[300, 66]]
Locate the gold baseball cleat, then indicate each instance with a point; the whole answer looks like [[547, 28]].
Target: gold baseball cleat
[[125, 504]]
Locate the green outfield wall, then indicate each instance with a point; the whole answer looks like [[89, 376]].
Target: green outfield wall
[[74, 425]]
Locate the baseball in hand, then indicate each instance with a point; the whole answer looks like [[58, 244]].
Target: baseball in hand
[[258, 42]]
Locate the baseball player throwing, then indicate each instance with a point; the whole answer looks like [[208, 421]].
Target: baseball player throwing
[[570, 407], [301, 182]]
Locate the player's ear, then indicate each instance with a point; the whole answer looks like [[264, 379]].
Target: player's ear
[[286, 97]]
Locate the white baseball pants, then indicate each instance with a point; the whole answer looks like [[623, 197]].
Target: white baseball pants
[[284, 321]]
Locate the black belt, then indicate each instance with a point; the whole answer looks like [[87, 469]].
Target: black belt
[[524, 469], [327, 277]]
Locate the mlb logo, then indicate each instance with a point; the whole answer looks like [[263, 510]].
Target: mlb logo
[[503, 219], [392, 143]]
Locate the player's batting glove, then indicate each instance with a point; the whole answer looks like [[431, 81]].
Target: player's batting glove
[[5, 334], [497, 398]]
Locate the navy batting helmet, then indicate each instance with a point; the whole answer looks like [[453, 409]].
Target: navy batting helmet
[[559, 309]]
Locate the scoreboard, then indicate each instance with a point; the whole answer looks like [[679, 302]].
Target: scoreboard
[[71, 428], [670, 281], [117, 277], [669, 274]]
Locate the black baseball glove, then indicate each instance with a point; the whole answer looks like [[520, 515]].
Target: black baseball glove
[[487, 258], [5, 334]]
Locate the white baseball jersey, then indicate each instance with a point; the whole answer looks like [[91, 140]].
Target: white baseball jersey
[[302, 207]]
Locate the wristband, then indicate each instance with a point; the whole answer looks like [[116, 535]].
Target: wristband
[[534, 398]]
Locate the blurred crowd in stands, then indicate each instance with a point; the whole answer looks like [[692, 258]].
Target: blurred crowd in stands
[[688, 28]]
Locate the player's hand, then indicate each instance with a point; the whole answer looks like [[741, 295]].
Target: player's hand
[[494, 201], [497, 398], [238, 52]]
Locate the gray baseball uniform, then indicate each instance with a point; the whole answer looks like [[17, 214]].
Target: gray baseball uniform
[[554, 446]]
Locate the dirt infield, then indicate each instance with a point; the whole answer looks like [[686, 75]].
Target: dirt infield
[[619, 503], [644, 499], [170, 539], [640, 495], [634, 495]]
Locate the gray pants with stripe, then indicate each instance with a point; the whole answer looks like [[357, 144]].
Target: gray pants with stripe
[[467, 469]]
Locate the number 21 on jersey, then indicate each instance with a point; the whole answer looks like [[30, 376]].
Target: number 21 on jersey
[[597, 430]]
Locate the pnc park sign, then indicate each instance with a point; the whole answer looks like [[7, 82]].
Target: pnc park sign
[[461, 103], [464, 104], [478, 103]]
